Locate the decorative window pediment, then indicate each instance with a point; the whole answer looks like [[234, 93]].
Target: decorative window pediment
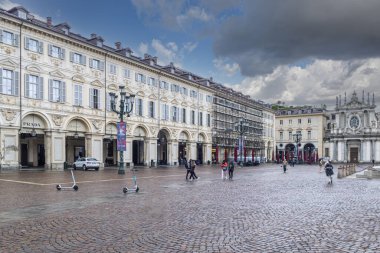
[[8, 63], [164, 99], [112, 86], [140, 94], [57, 73], [34, 68], [152, 96], [174, 102], [97, 83], [78, 78], [184, 104]]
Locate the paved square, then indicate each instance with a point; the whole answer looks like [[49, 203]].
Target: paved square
[[261, 210]]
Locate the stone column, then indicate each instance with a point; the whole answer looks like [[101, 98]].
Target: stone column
[[345, 151], [193, 151], [88, 145], [48, 150], [169, 152]]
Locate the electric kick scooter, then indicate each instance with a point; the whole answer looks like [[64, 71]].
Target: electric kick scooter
[[74, 186], [135, 188]]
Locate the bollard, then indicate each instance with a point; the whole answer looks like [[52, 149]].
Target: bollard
[[340, 172]]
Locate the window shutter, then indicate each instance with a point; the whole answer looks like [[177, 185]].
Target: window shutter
[[108, 102], [179, 114], [1, 79], [40, 47], [51, 90], [101, 65], [162, 112], [71, 57], [16, 39], [143, 78], [167, 112], [41, 87], [26, 85], [50, 50], [1, 35], [15, 83], [99, 100], [26, 42], [90, 63], [153, 109], [91, 96], [80, 94], [83, 60], [62, 54], [136, 77], [63, 92]]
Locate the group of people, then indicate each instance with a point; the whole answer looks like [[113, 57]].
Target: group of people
[[190, 169], [227, 167]]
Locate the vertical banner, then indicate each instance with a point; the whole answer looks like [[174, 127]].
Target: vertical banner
[[121, 136]]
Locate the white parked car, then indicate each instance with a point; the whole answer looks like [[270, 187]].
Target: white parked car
[[86, 163]]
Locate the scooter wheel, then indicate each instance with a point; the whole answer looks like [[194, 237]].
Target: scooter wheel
[[76, 187], [58, 187], [137, 189], [125, 190]]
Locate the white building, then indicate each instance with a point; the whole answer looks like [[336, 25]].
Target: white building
[[353, 132], [55, 104], [306, 122], [269, 129]]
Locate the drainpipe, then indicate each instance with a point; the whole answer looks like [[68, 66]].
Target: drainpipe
[[20, 88]]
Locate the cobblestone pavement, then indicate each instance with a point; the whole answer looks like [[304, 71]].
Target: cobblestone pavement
[[261, 210]]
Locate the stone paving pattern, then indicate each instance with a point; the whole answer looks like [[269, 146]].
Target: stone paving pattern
[[261, 210]]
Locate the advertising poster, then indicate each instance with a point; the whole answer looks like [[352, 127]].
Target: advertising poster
[[121, 136]]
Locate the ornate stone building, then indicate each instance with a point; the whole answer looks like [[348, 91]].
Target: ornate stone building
[[55, 104], [307, 122], [352, 131]]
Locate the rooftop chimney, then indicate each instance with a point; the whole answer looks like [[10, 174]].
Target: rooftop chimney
[[48, 21], [118, 45], [93, 35]]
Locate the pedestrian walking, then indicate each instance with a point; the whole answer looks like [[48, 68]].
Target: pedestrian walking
[[192, 170], [329, 171], [224, 169], [321, 165], [187, 166], [284, 164], [231, 168]]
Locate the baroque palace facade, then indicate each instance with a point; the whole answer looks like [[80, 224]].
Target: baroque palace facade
[[55, 103]]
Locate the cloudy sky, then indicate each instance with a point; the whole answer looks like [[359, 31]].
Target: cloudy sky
[[295, 51]]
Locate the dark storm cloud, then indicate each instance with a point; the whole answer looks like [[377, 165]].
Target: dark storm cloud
[[270, 33]]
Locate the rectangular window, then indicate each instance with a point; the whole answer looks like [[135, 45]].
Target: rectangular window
[[151, 81], [94, 98], [192, 117], [9, 82], [78, 58], [281, 135], [281, 122], [333, 116], [140, 78], [200, 119], [290, 122], [34, 87], [200, 97], [33, 45], [309, 120], [209, 99], [309, 135], [299, 121], [193, 94], [151, 109], [57, 91], [174, 113], [78, 95], [127, 73], [184, 91], [56, 52], [208, 120], [164, 112], [139, 107], [113, 69], [9, 38], [96, 64], [290, 135], [184, 115]]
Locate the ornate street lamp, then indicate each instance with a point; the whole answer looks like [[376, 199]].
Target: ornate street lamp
[[126, 107], [297, 137], [241, 127]]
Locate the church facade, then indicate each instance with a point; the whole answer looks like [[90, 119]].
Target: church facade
[[352, 132]]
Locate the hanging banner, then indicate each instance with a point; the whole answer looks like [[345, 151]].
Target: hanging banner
[[121, 136]]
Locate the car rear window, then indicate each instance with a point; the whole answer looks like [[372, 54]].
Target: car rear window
[[91, 159]]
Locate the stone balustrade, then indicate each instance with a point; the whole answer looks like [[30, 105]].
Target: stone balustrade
[[346, 170]]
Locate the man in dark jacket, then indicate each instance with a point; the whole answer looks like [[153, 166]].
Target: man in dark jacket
[[187, 166], [231, 168]]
